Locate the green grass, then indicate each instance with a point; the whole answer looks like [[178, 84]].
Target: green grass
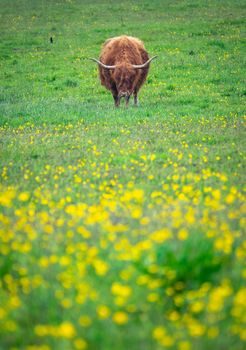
[[122, 228]]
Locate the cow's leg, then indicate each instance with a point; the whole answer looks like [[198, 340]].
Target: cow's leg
[[135, 94], [115, 94], [127, 98], [116, 100]]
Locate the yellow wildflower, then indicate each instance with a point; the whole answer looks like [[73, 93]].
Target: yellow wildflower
[[120, 317], [103, 311], [66, 330]]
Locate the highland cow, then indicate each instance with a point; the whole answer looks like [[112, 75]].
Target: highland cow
[[123, 67]]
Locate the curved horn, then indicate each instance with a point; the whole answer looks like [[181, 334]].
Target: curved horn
[[102, 64], [138, 66]]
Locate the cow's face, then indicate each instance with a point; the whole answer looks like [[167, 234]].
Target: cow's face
[[124, 79]]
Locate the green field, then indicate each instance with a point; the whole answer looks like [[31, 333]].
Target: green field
[[122, 228]]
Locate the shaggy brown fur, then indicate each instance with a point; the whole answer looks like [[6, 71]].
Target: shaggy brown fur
[[124, 80]]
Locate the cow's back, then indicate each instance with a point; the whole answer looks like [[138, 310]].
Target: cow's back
[[122, 49]]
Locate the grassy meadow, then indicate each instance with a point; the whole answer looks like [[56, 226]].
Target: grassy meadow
[[122, 228]]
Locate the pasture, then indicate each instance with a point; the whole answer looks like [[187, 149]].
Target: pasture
[[122, 228]]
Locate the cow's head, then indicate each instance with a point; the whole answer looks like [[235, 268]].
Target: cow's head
[[124, 76]]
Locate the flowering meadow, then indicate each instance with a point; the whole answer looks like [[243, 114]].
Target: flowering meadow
[[122, 229]]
